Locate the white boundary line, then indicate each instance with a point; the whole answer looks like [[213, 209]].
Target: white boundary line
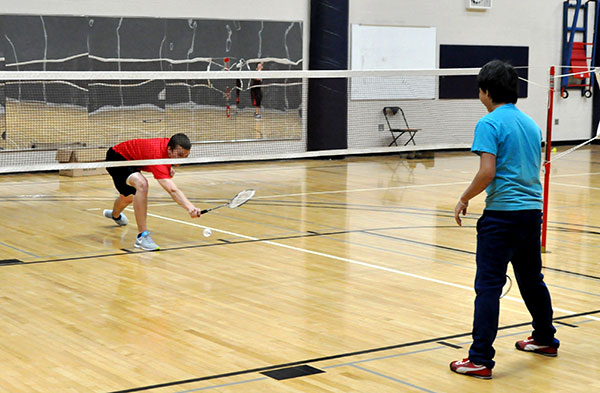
[[317, 193], [577, 174], [355, 262], [576, 186], [363, 190]]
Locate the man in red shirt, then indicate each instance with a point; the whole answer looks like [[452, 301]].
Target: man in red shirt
[[133, 186]]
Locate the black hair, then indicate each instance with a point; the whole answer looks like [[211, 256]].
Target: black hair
[[180, 140], [500, 79]]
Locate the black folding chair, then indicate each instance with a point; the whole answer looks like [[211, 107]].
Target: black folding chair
[[398, 132]]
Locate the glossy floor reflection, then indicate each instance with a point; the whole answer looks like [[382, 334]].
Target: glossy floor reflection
[[352, 267]]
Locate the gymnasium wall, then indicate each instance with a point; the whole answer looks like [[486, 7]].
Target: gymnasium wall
[[93, 43], [536, 24], [108, 33]]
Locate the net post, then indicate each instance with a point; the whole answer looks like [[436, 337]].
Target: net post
[[547, 158]]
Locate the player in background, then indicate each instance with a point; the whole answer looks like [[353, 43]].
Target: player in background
[[256, 92]]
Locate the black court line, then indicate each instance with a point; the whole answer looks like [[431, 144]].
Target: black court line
[[566, 324], [427, 244], [224, 242], [331, 357], [83, 257], [574, 230], [346, 206], [572, 273], [449, 345], [311, 234], [574, 225], [372, 230], [405, 210]]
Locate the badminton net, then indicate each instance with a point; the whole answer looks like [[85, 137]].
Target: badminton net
[[66, 120]]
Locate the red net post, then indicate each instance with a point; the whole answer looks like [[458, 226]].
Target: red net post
[[548, 154]]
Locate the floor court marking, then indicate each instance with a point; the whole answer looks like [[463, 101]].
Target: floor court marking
[[224, 385], [415, 186], [352, 261], [343, 355], [392, 379], [577, 174], [370, 231], [348, 191], [18, 249], [369, 360], [366, 231], [576, 186], [127, 251], [460, 345]]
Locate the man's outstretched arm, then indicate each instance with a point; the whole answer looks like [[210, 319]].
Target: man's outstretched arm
[[179, 197]]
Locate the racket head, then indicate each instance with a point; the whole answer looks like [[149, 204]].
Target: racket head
[[241, 198]]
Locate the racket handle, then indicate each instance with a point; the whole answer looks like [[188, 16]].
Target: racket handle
[[212, 208]]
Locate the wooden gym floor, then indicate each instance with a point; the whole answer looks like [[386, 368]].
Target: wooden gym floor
[[352, 269]]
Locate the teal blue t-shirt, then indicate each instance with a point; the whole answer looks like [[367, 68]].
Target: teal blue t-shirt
[[515, 139]]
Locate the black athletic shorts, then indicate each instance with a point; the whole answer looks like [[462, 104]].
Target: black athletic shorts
[[120, 174], [256, 92]]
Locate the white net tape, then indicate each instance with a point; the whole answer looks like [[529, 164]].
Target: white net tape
[[67, 120]]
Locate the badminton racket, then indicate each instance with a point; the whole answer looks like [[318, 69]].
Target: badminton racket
[[237, 201]]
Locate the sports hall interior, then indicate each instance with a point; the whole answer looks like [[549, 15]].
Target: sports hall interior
[[346, 272]]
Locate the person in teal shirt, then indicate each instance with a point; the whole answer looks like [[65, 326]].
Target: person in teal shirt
[[508, 143]]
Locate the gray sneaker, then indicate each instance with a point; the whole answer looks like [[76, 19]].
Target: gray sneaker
[[121, 221], [145, 242]]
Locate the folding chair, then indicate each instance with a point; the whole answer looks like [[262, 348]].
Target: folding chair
[[398, 132]]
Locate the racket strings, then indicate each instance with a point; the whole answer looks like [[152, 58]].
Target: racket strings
[[241, 198]]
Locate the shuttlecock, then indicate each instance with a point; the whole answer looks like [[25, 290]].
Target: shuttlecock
[[207, 232]]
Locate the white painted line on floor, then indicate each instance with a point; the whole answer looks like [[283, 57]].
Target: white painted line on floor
[[353, 261], [322, 192]]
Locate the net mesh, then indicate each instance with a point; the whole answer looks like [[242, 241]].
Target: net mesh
[[58, 120]]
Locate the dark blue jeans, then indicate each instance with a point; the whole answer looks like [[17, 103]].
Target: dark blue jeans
[[502, 237]]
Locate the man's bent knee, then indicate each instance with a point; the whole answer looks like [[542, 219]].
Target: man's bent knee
[[138, 181]]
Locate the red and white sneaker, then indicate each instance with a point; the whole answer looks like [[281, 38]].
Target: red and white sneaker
[[471, 369], [530, 345]]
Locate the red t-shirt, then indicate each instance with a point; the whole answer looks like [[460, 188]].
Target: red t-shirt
[[147, 149]]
